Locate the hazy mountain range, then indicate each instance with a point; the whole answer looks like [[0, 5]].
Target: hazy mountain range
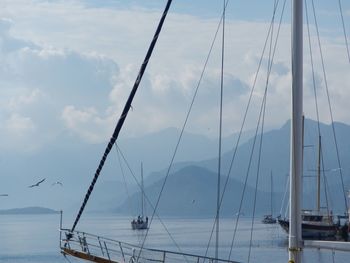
[[191, 186], [28, 211]]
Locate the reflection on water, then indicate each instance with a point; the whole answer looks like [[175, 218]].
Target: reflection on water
[[35, 238]]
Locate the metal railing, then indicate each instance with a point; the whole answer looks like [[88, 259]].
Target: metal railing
[[96, 247]]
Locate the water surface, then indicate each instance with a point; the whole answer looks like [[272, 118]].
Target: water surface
[[35, 238]]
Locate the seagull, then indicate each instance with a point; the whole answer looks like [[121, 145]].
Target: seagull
[[37, 184], [57, 183], [4, 195]]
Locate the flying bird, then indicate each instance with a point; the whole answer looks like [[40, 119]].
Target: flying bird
[[59, 183], [4, 195], [37, 184]]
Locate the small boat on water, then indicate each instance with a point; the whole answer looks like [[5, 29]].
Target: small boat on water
[[269, 219], [141, 222]]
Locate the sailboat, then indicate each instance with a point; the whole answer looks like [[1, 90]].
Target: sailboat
[[99, 249], [296, 244], [269, 219], [316, 224], [141, 222]]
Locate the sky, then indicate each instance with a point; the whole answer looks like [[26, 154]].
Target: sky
[[67, 67]]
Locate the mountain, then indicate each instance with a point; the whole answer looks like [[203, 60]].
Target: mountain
[[275, 159], [192, 191], [74, 163], [161, 145], [28, 211]]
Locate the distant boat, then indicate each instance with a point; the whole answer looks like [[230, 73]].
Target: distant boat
[[269, 219], [141, 222], [316, 224]]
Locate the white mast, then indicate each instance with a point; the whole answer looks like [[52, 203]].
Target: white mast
[[271, 199], [295, 237], [318, 201], [142, 193]]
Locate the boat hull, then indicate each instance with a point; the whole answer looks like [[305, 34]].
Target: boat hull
[[139, 225], [312, 230], [268, 219]]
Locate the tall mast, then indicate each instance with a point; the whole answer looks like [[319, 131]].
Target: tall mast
[[319, 175], [271, 195], [142, 190], [295, 237], [220, 136]]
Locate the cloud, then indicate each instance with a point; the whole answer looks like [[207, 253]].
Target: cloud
[[86, 78], [8, 43], [85, 122], [77, 65], [23, 100], [39, 81], [19, 125]]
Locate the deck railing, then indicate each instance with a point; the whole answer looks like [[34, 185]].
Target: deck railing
[[100, 249]]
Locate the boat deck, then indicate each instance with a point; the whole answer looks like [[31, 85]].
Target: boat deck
[[100, 249]]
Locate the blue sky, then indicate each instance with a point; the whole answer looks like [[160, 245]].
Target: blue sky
[[67, 67], [242, 10]]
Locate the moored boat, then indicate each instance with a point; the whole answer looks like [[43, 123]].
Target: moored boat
[[314, 225], [268, 219]]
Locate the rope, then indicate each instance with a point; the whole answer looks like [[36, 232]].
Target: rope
[[243, 123], [312, 68], [220, 132], [148, 200], [124, 113], [316, 103], [325, 184], [330, 107], [244, 188], [124, 179], [261, 139], [344, 30], [262, 112], [284, 197], [183, 128]]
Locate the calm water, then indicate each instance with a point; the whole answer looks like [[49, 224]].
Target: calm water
[[35, 238]]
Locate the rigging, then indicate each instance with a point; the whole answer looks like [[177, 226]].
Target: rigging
[[124, 113], [329, 106]]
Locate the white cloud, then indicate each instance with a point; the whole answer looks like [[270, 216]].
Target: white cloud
[[83, 61], [86, 123], [38, 82], [24, 99], [19, 125]]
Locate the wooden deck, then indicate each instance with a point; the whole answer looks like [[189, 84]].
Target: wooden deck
[[86, 256]]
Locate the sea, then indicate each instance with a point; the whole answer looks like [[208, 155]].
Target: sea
[[35, 238]]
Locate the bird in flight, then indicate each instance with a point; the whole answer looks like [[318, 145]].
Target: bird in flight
[[37, 184], [59, 183], [4, 195]]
